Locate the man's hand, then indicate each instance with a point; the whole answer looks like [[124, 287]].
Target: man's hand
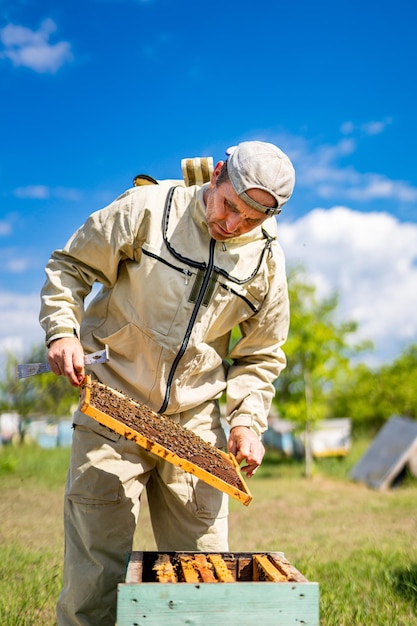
[[66, 358], [245, 445]]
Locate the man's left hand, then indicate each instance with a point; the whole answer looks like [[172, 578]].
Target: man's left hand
[[246, 446]]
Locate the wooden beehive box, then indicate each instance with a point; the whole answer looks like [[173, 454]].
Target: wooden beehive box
[[234, 589], [164, 437]]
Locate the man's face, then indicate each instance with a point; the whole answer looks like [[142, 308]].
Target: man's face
[[227, 215]]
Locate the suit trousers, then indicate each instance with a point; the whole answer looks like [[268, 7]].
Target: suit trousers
[[106, 478]]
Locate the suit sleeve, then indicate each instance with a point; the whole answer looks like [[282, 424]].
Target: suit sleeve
[[92, 255], [258, 357]]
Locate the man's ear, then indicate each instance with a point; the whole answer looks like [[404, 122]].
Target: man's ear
[[216, 172]]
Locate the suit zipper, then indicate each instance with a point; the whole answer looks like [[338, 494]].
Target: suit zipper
[[182, 270], [186, 339]]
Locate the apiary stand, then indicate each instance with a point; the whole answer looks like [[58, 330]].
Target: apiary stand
[[251, 599]]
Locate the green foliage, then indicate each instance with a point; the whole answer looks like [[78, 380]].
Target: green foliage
[[371, 397], [318, 353], [321, 379], [43, 394]]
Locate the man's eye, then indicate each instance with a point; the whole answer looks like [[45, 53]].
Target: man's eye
[[230, 207]]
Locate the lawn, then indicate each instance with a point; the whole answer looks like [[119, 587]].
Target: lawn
[[358, 544]]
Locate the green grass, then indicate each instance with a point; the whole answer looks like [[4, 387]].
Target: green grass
[[31, 486], [46, 467], [30, 582], [358, 544]]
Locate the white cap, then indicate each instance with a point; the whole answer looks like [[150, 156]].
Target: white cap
[[261, 165]]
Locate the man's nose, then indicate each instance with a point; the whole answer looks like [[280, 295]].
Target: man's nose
[[232, 222]]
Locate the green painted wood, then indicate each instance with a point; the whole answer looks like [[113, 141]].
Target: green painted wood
[[233, 604]]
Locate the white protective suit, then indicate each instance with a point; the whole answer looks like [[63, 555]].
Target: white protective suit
[[170, 297]]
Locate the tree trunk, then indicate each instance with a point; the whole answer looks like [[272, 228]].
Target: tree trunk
[[308, 456]]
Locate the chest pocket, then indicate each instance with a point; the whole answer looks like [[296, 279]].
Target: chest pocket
[[160, 291]]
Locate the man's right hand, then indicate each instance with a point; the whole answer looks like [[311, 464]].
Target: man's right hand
[[66, 358]]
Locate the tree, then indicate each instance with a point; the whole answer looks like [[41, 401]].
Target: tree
[[43, 394], [371, 396], [318, 357]]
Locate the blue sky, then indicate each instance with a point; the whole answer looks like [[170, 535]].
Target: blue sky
[[94, 91]]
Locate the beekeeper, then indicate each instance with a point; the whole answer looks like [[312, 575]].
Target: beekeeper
[[179, 268]]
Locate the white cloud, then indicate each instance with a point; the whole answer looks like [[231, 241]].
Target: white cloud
[[32, 49], [19, 322], [370, 259], [35, 192], [7, 224], [19, 326], [16, 260], [18, 266], [375, 186], [42, 192], [375, 127], [5, 228], [321, 171]]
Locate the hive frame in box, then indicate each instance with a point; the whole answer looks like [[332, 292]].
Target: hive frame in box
[[242, 495], [238, 603]]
